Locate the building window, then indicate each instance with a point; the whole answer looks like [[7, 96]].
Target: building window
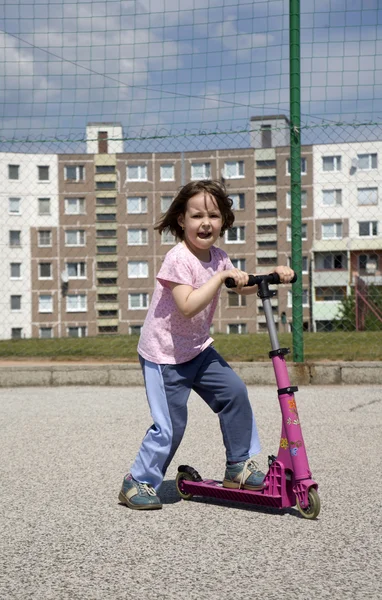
[[236, 299], [165, 203], [108, 329], [44, 238], [233, 169], [106, 233], [14, 206], [368, 228], [45, 270], [235, 235], [330, 261], [76, 270], [200, 171], [239, 263], [304, 232], [106, 249], [75, 237], [45, 303], [367, 161], [15, 270], [331, 231], [44, 206], [167, 173], [330, 294], [137, 237], [15, 303], [136, 172], [14, 172], [105, 185], [106, 217], [138, 301], [238, 201], [76, 303], [136, 205], [137, 269], [106, 201], [304, 197], [368, 263], [105, 169], [107, 298], [74, 172], [168, 238], [239, 328], [15, 239], [303, 166], [43, 173], [45, 333], [77, 332], [305, 298], [332, 197], [331, 163], [304, 266], [16, 333], [367, 196], [266, 180], [135, 329], [74, 206], [105, 281], [107, 265]]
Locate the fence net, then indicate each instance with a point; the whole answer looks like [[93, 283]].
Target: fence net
[[108, 108]]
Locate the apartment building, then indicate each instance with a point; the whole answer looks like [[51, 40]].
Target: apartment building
[[81, 250]]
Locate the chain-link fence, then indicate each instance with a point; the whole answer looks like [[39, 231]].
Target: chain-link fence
[[109, 108]]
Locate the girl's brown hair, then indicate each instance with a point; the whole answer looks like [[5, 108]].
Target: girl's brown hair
[[169, 221]]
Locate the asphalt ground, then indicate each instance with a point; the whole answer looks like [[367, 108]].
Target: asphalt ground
[[64, 535]]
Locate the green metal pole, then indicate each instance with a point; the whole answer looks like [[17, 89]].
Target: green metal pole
[[295, 176]]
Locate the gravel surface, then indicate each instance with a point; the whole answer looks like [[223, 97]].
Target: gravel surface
[[64, 535]]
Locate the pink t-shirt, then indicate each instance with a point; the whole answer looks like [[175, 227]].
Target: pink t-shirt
[[167, 337]]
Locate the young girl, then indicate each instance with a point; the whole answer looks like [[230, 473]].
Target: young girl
[[175, 348]]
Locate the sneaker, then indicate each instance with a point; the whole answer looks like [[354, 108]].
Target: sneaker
[[137, 495], [244, 475]]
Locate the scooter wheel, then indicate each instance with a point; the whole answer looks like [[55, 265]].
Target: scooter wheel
[[312, 510], [180, 476]]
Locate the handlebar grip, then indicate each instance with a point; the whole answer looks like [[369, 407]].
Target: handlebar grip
[[272, 278]]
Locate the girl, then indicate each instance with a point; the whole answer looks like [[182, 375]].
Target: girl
[[175, 348]]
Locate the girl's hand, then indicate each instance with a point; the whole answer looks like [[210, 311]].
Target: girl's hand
[[285, 273], [240, 277]]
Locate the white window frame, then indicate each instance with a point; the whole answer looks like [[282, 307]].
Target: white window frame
[[40, 235], [305, 298], [234, 169], [76, 303], [304, 199], [78, 266], [240, 234], [238, 200], [137, 269], [39, 173], [45, 303], [141, 173], [239, 263], [303, 166], [81, 329], [44, 264], [48, 337], [17, 201], [371, 159], [142, 234], [241, 328], [165, 203], [337, 163], [79, 204], [143, 298], [131, 332], [372, 226], [304, 232], [141, 205], [13, 245], [337, 226], [205, 168], [241, 300], [79, 172], [20, 300], [162, 174], [41, 202], [167, 238], [332, 197], [17, 167], [15, 277], [367, 196], [80, 236], [304, 266]]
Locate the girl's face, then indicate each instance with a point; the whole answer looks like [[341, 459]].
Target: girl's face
[[202, 223]]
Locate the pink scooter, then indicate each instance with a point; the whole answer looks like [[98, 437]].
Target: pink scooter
[[288, 481]]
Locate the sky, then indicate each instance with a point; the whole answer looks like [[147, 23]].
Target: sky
[[184, 74]]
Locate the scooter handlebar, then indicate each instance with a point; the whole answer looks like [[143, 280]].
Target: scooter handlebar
[[272, 278]]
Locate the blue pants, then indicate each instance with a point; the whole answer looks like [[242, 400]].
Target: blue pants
[[168, 388]]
